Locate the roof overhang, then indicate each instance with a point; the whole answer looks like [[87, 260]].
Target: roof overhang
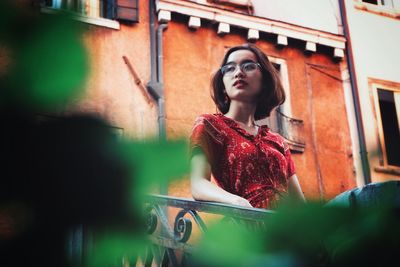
[[253, 24]]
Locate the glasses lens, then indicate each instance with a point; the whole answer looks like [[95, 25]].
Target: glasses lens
[[228, 69], [246, 67], [249, 66]]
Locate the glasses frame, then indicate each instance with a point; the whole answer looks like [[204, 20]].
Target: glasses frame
[[236, 66]]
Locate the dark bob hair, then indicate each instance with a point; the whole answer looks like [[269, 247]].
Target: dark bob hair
[[272, 92]]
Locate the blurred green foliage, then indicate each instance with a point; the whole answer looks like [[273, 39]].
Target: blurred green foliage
[[310, 235], [51, 66], [112, 249], [228, 244], [150, 164], [48, 60], [155, 163]]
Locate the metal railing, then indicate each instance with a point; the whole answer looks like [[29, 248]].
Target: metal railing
[[289, 128], [170, 234], [292, 130]]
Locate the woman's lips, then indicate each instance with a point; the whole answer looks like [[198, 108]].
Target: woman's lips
[[239, 83]]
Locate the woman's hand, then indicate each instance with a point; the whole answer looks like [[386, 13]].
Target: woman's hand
[[239, 201]]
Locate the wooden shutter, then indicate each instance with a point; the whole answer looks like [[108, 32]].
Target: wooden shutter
[[127, 10]]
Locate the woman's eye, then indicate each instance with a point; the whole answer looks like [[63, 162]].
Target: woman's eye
[[230, 69], [249, 66]]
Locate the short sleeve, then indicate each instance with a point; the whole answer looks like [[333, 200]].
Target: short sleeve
[[290, 164], [206, 136]]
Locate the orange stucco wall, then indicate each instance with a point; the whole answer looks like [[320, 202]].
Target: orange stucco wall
[[325, 169]]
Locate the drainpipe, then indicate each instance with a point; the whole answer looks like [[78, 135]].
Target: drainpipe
[[160, 75], [156, 86], [356, 97]]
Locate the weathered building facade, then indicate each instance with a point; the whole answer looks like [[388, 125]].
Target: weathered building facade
[[153, 75]]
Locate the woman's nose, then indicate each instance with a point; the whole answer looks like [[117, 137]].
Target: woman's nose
[[238, 72]]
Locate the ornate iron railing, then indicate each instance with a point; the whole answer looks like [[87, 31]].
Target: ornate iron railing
[[170, 235], [292, 130]]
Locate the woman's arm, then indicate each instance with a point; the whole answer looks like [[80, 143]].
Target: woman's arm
[[203, 189], [294, 189]]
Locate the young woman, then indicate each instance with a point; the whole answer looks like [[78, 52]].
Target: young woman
[[251, 165]]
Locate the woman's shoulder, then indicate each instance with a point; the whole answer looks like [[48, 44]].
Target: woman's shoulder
[[210, 125], [278, 139], [274, 135], [207, 118]]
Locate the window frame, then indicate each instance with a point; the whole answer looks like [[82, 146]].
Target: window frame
[[389, 86], [392, 11], [380, 4], [276, 121], [94, 20], [286, 107]]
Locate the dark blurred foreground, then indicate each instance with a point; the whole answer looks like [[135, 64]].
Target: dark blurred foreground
[[69, 182]]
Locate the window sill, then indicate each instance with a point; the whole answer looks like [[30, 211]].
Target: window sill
[[379, 10], [108, 23], [296, 147], [388, 170]]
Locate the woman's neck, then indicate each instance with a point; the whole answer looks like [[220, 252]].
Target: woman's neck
[[242, 112]]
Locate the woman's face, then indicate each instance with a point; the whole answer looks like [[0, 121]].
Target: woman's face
[[242, 83]]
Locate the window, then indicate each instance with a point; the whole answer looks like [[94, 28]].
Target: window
[[387, 105], [124, 10], [387, 8], [384, 3], [281, 119], [374, 2]]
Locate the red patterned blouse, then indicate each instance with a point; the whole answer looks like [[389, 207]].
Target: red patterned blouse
[[254, 167]]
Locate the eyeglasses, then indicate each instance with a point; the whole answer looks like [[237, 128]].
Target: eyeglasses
[[247, 67]]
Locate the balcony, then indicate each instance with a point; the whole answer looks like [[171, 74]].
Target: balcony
[[342, 233], [310, 235], [292, 130], [289, 128], [171, 235]]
